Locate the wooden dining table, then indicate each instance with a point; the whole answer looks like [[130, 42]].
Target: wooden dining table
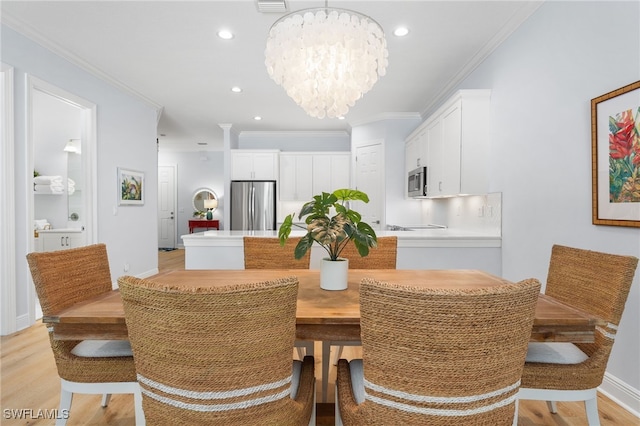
[[322, 315]]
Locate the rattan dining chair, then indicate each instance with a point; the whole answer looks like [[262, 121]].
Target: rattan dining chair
[[593, 282], [383, 256], [64, 278], [437, 356], [267, 253], [218, 355]]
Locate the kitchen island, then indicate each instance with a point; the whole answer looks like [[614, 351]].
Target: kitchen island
[[417, 249]]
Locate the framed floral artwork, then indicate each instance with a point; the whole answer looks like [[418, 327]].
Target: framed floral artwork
[[615, 152], [130, 187]]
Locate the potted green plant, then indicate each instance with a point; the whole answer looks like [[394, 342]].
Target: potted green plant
[[332, 224]]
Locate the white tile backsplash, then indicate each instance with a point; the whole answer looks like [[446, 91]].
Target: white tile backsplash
[[478, 213]]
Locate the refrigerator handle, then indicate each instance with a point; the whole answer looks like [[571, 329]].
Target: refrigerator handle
[[252, 207]]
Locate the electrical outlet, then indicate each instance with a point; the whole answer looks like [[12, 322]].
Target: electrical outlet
[[481, 211], [126, 266]]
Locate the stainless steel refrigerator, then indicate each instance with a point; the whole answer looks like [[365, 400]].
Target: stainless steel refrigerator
[[253, 205]]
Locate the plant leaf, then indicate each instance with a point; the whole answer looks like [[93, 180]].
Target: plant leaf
[[305, 244], [285, 229], [350, 195]]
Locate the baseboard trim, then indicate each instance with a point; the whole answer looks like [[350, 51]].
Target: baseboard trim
[[621, 393], [22, 322], [148, 273]]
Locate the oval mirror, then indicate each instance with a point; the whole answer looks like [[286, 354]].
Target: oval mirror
[[200, 196]]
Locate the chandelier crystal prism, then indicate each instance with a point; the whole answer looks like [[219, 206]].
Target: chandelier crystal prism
[[326, 58]]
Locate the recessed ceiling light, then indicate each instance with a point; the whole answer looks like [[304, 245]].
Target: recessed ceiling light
[[225, 34], [401, 31], [257, 118], [236, 89], [341, 117]]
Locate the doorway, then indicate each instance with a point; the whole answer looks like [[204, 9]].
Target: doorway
[[54, 117]]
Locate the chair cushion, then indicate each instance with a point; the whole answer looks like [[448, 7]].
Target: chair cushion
[[357, 379], [102, 348], [295, 378], [555, 353]]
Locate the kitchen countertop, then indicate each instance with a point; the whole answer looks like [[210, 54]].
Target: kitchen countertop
[[449, 237]]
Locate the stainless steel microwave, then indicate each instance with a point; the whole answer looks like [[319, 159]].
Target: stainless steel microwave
[[417, 182]]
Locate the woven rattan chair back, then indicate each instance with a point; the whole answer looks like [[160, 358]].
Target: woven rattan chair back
[[215, 355], [381, 257], [441, 356], [64, 278], [267, 253], [594, 282]]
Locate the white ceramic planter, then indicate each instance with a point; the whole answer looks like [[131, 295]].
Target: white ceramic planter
[[333, 274]]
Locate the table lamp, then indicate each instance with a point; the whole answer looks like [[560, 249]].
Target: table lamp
[[210, 205]]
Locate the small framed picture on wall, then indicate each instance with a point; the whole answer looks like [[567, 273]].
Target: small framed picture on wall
[[130, 187]]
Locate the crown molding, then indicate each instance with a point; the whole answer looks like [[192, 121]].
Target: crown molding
[[294, 133], [518, 18], [32, 34], [389, 116]]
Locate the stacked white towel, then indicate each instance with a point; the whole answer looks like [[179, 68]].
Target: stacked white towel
[[48, 185], [71, 186], [47, 180]]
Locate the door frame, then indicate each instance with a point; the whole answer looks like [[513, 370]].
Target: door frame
[[7, 211], [89, 158]]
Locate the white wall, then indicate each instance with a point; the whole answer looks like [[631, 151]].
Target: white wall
[[542, 80], [126, 137], [295, 141]]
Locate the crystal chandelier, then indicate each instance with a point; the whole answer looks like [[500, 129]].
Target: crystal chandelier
[[326, 58]]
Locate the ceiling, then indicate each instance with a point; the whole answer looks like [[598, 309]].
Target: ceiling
[[168, 53]]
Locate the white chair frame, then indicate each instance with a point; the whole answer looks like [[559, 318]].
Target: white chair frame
[[589, 396], [326, 358], [68, 388]]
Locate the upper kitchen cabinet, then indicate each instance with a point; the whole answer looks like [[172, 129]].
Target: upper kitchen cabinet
[[296, 176], [331, 171], [455, 143], [415, 150], [254, 165], [305, 174]]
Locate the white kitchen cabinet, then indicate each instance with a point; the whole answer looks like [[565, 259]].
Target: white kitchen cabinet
[[435, 153], [457, 145], [254, 165], [53, 240], [415, 150], [296, 177], [331, 171]]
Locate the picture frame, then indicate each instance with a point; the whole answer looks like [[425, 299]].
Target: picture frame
[[615, 152], [131, 189]]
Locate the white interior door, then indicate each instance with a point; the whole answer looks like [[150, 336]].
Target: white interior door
[[370, 180], [166, 206]]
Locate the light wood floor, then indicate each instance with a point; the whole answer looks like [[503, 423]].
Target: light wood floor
[[29, 382]]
